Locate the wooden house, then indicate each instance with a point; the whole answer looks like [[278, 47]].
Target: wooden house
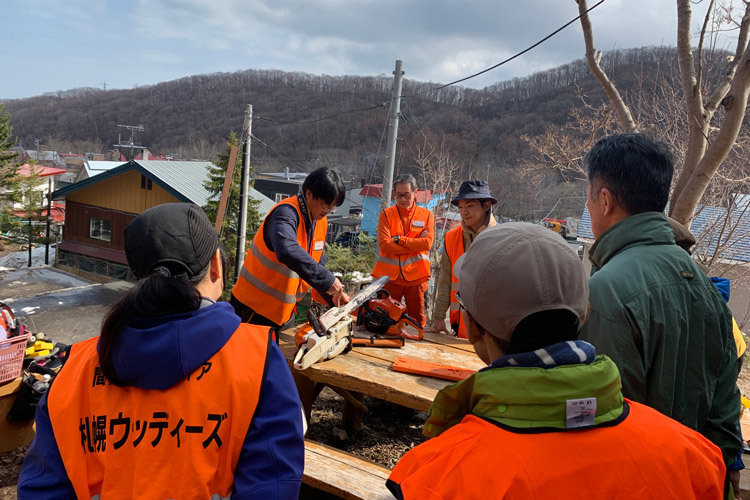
[[98, 209]]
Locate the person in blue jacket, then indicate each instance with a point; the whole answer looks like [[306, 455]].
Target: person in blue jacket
[[162, 334]]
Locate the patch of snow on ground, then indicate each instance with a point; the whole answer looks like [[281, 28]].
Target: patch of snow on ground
[[20, 259]]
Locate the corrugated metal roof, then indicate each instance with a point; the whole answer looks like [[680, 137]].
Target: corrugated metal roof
[[189, 177], [265, 204], [185, 177], [713, 229], [95, 167]]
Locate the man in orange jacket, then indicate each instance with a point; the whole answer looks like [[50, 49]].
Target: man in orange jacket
[[546, 418], [405, 235], [286, 257]]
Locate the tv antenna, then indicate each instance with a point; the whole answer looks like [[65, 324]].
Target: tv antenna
[[129, 149]]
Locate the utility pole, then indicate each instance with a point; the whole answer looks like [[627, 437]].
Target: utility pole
[[49, 219], [244, 190], [390, 155]]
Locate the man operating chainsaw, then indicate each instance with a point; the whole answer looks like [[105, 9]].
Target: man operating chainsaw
[[286, 257], [474, 203], [405, 235]]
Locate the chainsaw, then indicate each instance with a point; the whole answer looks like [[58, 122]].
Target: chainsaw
[[384, 315], [330, 334]]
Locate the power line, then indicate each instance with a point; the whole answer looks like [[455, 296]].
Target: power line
[[514, 56], [440, 86], [380, 145]]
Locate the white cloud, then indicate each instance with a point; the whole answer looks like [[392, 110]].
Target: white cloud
[[438, 40]]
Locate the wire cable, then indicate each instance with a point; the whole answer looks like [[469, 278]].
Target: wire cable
[[512, 57]]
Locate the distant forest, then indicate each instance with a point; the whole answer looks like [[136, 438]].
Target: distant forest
[[481, 130]]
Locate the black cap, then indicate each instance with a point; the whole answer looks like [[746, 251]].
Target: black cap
[[473, 190], [177, 236]]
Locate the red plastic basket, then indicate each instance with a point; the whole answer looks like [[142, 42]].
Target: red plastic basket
[[11, 357]]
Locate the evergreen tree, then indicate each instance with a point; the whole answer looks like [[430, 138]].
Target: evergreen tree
[[215, 184], [32, 213], [9, 180]]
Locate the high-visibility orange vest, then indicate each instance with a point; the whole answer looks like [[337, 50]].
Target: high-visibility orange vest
[[183, 442], [412, 266], [646, 456], [454, 247], [266, 285]]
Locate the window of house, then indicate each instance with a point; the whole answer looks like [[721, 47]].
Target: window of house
[[281, 196], [145, 183], [99, 229]]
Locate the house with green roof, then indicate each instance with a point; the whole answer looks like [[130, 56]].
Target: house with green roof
[[99, 207]]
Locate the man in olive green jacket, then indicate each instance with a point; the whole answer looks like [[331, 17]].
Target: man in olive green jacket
[[652, 309]]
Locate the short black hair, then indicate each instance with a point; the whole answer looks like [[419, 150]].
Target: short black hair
[[635, 168], [539, 330], [325, 184]]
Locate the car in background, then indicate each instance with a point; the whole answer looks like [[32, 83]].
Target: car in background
[[348, 239]]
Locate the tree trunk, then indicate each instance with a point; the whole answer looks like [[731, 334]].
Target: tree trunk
[[702, 159], [624, 118], [735, 104]]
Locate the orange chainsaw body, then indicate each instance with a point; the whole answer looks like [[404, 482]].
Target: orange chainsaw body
[[386, 315]]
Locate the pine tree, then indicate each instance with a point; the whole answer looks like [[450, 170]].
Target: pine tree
[[215, 184], [33, 206], [9, 181]]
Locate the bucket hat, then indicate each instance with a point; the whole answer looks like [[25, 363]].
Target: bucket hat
[[473, 190]]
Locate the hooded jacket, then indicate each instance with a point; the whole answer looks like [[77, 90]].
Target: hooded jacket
[[157, 353], [664, 324], [490, 431]]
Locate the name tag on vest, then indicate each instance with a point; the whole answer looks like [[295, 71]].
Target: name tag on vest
[[418, 223], [318, 245]]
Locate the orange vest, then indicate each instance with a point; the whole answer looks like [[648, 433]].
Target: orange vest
[[454, 246], [645, 456], [266, 285], [183, 442], [412, 266]]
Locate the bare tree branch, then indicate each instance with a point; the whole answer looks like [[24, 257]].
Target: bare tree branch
[[624, 118]]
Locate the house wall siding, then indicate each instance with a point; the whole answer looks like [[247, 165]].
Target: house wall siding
[[123, 193], [77, 225]]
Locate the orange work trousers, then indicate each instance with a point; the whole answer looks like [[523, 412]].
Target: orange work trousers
[[414, 295]]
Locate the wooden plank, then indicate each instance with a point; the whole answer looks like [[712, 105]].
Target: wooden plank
[[225, 190], [342, 474], [373, 377], [448, 340], [368, 370], [436, 353]]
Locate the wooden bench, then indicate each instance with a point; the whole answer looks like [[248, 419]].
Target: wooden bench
[[342, 474]]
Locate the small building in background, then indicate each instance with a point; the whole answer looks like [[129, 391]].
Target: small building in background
[[280, 185]]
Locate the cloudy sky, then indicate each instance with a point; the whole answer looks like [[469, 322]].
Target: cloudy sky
[[50, 45]]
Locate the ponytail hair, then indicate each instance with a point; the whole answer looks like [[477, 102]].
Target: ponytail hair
[[164, 292]]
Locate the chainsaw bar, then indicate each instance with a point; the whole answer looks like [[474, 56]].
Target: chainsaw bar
[[334, 314], [332, 331]]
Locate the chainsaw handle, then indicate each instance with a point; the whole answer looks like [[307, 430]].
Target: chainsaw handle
[[314, 323], [411, 320]]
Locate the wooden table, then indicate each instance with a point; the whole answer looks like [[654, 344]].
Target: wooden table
[[367, 371]]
